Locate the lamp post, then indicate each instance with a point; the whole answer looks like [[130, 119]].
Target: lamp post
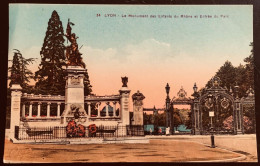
[[195, 88], [211, 115], [167, 104]]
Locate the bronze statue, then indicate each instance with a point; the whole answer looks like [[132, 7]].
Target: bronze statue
[[72, 52]]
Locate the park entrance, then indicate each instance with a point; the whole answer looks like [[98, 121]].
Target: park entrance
[[215, 109]]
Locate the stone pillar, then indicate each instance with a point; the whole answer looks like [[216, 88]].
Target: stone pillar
[[124, 102], [114, 109], [58, 109], [89, 109], [98, 109], [30, 110], [15, 108], [138, 108], [23, 110], [48, 109], [39, 110]]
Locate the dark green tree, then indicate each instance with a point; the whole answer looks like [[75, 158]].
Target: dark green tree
[[249, 79], [226, 74], [50, 78], [20, 74], [87, 85], [176, 118]]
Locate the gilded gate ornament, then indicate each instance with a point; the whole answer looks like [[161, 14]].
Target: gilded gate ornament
[[224, 103]]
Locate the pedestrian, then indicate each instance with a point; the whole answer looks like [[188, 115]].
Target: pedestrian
[[151, 131], [168, 131]]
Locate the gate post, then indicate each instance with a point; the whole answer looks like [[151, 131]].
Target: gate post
[[15, 108], [196, 117], [239, 117], [124, 104]]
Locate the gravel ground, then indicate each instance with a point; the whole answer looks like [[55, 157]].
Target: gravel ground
[[243, 144], [158, 150]]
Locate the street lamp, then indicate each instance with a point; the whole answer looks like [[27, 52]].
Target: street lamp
[[167, 88], [236, 90], [168, 111], [195, 88], [211, 115]]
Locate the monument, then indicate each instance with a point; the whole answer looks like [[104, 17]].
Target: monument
[[74, 90], [138, 108]]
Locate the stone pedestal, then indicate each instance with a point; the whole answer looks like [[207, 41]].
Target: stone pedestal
[[124, 102], [138, 108], [74, 92], [15, 108]]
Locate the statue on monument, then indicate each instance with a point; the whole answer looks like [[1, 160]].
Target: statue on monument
[[72, 52], [124, 81], [138, 98]]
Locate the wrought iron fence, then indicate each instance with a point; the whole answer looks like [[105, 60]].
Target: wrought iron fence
[[57, 132]]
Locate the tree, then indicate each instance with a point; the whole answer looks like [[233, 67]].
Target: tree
[[20, 74], [249, 74], [50, 78], [87, 85], [226, 74], [176, 118]]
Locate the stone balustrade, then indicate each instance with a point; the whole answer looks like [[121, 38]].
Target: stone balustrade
[[97, 104], [105, 98], [39, 100]]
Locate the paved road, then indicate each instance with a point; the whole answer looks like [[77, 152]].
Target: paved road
[[156, 151], [245, 144]]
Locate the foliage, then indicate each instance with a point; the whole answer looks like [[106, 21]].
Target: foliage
[[50, 76], [176, 118], [20, 74], [87, 85], [148, 119], [247, 124], [188, 122], [242, 75]]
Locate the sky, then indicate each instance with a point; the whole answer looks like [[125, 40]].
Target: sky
[[151, 51]]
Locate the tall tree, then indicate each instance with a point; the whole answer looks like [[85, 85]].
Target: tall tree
[[50, 76], [249, 80], [87, 85], [226, 74], [20, 74]]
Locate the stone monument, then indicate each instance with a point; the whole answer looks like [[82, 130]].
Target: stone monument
[[124, 93], [138, 108], [74, 90]]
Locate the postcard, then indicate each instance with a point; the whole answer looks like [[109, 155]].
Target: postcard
[[130, 83]]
